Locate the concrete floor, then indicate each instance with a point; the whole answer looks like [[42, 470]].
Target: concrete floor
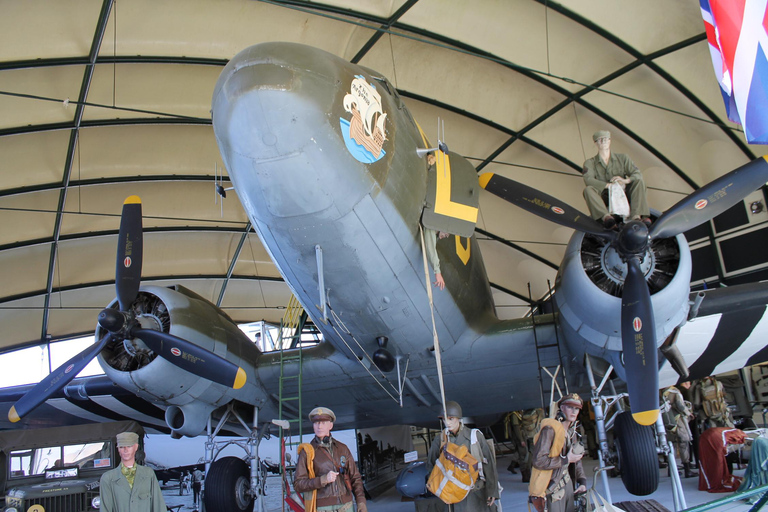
[[514, 497]]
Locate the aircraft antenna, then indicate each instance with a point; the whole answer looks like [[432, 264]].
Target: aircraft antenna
[[218, 188]]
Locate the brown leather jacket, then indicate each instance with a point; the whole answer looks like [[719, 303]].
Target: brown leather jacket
[[334, 493]]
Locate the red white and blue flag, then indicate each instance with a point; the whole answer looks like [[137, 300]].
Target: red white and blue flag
[[738, 43]]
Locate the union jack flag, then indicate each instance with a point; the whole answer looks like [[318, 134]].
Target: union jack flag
[[738, 44]]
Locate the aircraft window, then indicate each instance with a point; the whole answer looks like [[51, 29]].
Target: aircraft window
[[384, 83], [269, 338]]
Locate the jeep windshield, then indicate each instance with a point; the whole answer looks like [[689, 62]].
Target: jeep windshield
[[35, 461]]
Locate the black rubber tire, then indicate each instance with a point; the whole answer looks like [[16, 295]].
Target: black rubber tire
[[639, 462], [226, 486]]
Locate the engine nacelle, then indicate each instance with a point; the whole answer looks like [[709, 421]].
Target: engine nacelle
[[589, 286], [188, 398]]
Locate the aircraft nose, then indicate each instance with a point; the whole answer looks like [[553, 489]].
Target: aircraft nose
[[273, 116]]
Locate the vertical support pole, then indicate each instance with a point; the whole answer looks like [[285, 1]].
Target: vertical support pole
[[253, 443], [677, 486], [602, 437], [321, 281]]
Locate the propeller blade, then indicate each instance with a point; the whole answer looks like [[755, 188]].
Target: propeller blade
[[639, 346], [129, 253], [711, 199], [541, 204], [192, 358], [55, 381]]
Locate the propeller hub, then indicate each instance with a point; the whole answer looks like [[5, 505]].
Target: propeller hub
[[112, 320], [633, 239]]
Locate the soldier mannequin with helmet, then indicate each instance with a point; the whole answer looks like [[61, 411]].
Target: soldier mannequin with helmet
[[556, 447], [483, 495], [326, 471]]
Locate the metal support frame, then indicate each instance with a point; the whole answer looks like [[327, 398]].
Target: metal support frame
[[598, 402], [602, 404], [250, 445]]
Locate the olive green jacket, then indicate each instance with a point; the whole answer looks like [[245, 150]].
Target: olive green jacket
[[118, 496]]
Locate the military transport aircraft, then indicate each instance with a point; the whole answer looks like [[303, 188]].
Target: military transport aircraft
[[331, 168]]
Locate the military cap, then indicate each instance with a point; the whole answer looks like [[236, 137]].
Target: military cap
[[571, 399], [321, 414], [600, 133], [452, 409], [127, 439]]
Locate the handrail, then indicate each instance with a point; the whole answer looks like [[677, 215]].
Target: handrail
[[734, 497]]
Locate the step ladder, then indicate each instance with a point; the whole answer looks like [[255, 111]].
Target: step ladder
[[556, 372], [289, 398]]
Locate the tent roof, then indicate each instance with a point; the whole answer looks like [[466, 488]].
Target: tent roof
[[102, 100]]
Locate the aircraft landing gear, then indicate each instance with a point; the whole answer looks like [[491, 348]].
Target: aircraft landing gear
[[233, 484], [227, 485], [636, 447]]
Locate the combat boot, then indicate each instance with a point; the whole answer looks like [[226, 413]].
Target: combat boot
[[687, 470]]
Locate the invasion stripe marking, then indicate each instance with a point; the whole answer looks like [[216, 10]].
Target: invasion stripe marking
[[753, 344], [692, 341], [116, 406], [143, 406], [68, 407], [734, 328]]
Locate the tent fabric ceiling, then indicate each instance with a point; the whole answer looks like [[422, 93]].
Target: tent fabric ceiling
[[102, 100]]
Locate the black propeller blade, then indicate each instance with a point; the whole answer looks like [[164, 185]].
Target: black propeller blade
[[129, 253], [122, 324], [711, 199], [190, 357], [55, 381], [637, 322], [638, 341], [541, 204]]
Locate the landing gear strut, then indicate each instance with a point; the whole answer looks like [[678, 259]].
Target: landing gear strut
[[636, 447], [233, 484]]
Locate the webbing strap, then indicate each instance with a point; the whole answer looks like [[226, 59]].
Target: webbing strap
[[448, 477], [438, 359]]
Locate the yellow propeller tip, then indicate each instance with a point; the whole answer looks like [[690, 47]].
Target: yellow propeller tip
[[132, 200], [240, 379], [13, 415], [485, 178], [646, 417]]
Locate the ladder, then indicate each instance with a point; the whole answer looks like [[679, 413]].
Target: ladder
[[557, 370], [289, 398]]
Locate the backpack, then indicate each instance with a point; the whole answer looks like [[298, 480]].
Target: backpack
[[454, 474]]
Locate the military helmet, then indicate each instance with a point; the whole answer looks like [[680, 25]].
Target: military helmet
[[452, 409], [572, 399]]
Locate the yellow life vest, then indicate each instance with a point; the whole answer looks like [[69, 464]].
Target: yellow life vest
[[310, 505], [539, 477]]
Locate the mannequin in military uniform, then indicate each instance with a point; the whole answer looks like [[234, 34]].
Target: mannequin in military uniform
[[525, 426], [680, 433], [484, 493], [430, 241], [709, 402], [606, 168], [556, 447], [326, 471]]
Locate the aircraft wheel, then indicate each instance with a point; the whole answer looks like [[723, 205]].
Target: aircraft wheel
[[636, 445], [226, 486]]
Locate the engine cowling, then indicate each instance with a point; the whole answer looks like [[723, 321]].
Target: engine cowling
[[188, 399], [589, 286]]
